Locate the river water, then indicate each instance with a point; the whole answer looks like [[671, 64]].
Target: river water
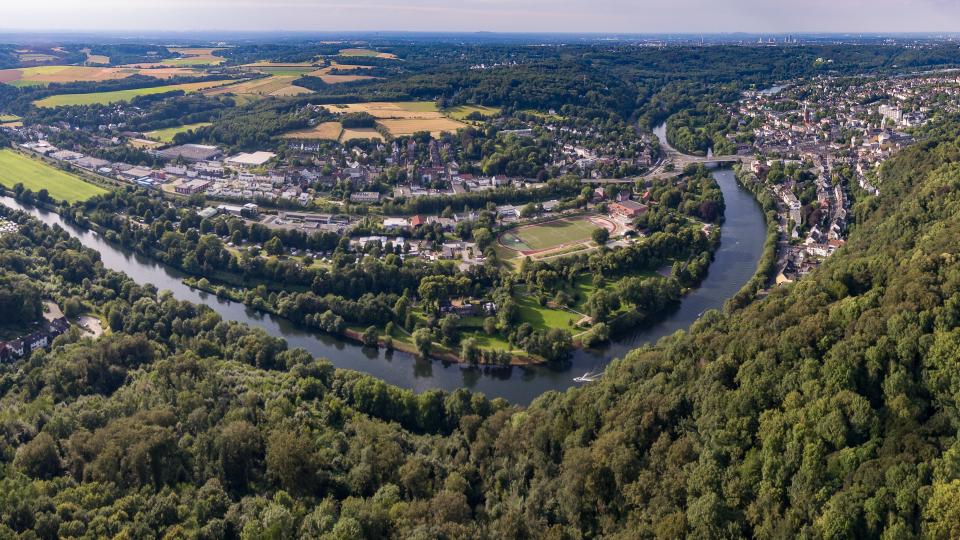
[[742, 237]]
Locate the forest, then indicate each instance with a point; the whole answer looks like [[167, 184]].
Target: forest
[[826, 409]]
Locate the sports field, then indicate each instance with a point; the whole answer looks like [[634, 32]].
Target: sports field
[[16, 168], [555, 237], [548, 235], [103, 98], [167, 135]]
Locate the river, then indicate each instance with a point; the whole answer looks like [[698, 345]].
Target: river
[[742, 237]]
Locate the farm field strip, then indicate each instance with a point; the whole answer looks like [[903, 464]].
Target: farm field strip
[[435, 126], [44, 75], [360, 133], [122, 95], [16, 168]]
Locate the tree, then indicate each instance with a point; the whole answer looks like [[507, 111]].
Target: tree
[[423, 339], [273, 246], [241, 453], [470, 350], [290, 462], [370, 337], [600, 236], [39, 458]]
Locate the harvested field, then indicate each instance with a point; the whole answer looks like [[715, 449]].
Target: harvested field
[[360, 133], [435, 126], [143, 144], [329, 131], [392, 110], [268, 86], [43, 75], [95, 59], [122, 95], [326, 76]]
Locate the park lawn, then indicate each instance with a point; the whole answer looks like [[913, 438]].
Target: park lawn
[[36, 175], [167, 135], [462, 111], [103, 98], [542, 317]]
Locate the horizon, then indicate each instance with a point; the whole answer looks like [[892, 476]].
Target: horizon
[[883, 17]]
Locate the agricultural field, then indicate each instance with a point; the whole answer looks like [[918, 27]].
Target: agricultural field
[[403, 117], [554, 235], [95, 59], [144, 144], [103, 98], [335, 78], [44, 75], [368, 53], [194, 57], [399, 127], [350, 134], [463, 111], [16, 168], [328, 131], [275, 85], [9, 118], [167, 135]]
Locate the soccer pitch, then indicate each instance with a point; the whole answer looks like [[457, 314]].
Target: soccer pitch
[[549, 235]]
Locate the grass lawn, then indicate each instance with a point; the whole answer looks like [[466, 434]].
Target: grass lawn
[[549, 234], [103, 98], [166, 135], [461, 112], [36, 175], [542, 317]]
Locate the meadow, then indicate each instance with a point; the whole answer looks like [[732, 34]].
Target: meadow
[[194, 57], [325, 75], [103, 98], [368, 53], [461, 112], [16, 168], [398, 127], [167, 135]]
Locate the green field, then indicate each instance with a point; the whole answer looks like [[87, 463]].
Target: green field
[[461, 112], [9, 118], [103, 98], [16, 168], [548, 235], [166, 135], [543, 318]]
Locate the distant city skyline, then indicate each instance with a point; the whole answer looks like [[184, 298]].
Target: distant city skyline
[[613, 16]]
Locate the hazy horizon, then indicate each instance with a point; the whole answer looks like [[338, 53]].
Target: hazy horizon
[[537, 16]]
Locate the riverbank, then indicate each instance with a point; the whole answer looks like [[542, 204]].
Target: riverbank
[[742, 236]]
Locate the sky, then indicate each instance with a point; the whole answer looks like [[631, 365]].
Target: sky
[[613, 16]]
